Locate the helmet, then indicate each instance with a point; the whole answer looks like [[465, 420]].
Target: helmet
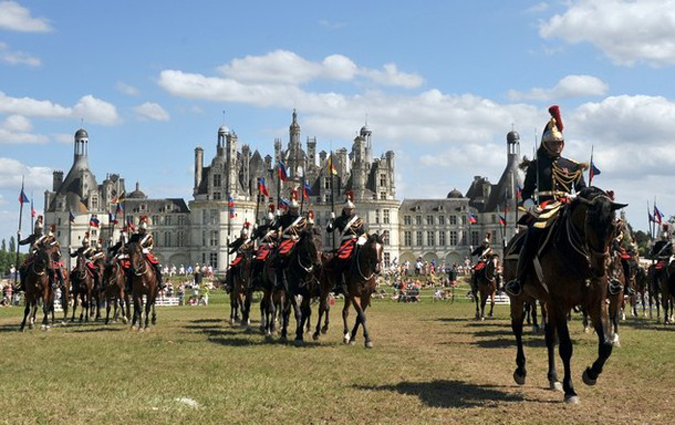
[[293, 205], [52, 229], [553, 132], [143, 223], [349, 204], [270, 216]]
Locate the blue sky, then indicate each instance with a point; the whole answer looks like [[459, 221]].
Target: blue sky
[[441, 83]]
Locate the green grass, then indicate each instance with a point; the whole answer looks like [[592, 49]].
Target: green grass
[[431, 364]]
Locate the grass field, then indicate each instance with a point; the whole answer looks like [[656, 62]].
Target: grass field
[[431, 364]]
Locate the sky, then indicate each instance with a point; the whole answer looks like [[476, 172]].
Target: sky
[[440, 83]]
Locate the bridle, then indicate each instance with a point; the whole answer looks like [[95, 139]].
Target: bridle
[[579, 244], [357, 259]]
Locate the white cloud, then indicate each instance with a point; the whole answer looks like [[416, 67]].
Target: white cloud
[[15, 130], [152, 111], [32, 107], [628, 32], [16, 57], [15, 17], [64, 138], [568, 87], [288, 68], [36, 178], [126, 88], [537, 8], [96, 111]]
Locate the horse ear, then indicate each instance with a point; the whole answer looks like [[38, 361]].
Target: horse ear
[[617, 206]]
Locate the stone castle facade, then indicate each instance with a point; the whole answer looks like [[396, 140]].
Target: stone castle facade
[[198, 231]]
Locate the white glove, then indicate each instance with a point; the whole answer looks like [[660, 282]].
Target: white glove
[[332, 216], [529, 204]]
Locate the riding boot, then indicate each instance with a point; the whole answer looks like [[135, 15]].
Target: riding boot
[[527, 253], [22, 279], [52, 279], [127, 283], [158, 273]]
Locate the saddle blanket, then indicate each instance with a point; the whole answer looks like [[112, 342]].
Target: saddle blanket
[[262, 253], [236, 260], [152, 258], [126, 263], [286, 246], [661, 264], [480, 266], [346, 249]]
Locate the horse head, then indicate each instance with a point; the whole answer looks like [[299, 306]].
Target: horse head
[[43, 259], [309, 247], [597, 210], [136, 258], [373, 252]]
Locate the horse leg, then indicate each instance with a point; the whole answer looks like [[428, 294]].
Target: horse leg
[[360, 304], [476, 297], [154, 313], [605, 346], [26, 311], [492, 304], [72, 319], [323, 301], [549, 332], [107, 311], [517, 316], [148, 308], [285, 316], [46, 308], [246, 319], [566, 350], [297, 301], [345, 317]]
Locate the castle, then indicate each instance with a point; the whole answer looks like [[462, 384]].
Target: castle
[[225, 195]]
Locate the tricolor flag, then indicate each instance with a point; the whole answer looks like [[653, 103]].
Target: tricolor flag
[[262, 188], [519, 191], [283, 205], [72, 217], [472, 218], [330, 166], [230, 204], [32, 210], [119, 209], [23, 199], [283, 175], [650, 216], [306, 190], [594, 171], [502, 220], [658, 215], [93, 221], [111, 218]]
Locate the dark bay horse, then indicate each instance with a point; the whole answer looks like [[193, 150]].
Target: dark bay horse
[[82, 284], [327, 284], [241, 276], [641, 284], [300, 281], [668, 293], [39, 288], [572, 273], [487, 287], [363, 267], [112, 290], [144, 282]]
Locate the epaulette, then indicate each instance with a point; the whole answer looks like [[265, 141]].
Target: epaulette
[[525, 163], [584, 165]]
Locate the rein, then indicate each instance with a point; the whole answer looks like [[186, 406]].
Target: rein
[[579, 244], [358, 267]]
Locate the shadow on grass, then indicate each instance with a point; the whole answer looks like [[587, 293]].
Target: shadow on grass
[[207, 321], [647, 325], [450, 394], [101, 329]]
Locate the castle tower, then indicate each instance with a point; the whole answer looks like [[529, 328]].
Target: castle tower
[[199, 166]]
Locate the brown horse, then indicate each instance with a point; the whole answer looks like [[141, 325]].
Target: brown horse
[[112, 290], [272, 298], [65, 295], [82, 284], [326, 281], [241, 276], [641, 284], [668, 293], [486, 287], [144, 282], [360, 284], [39, 288], [571, 271], [615, 272]]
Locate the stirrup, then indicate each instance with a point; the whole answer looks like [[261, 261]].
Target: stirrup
[[514, 288], [614, 288]]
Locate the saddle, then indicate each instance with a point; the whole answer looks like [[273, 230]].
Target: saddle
[[236, 260], [661, 264], [153, 260], [480, 265], [286, 247], [125, 263], [263, 252]]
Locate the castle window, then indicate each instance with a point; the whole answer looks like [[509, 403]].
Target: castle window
[[377, 216], [385, 217], [383, 180], [383, 195], [155, 220], [216, 195], [181, 220], [203, 238], [59, 221], [385, 237], [453, 220], [418, 220], [167, 239], [431, 238], [463, 220], [216, 180], [407, 238], [213, 240], [453, 238], [430, 220], [203, 258], [180, 239], [386, 260], [418, 238], [214, 216], [441, 238], [213, 260], [494, 218], [203, 216], [407, 220], [441, 220], [475, 240], [167, 220], [94, 203]]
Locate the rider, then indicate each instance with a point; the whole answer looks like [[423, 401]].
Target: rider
[[621, 245], [288, 228], [239, 245], [554, 177], [98, 256], [144, 238], [661, 252], [37, 241], [37, 233], [351, 231], [484, 251], [87, 252]]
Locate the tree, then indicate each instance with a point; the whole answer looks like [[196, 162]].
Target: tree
[[12, 244], [643, 241]]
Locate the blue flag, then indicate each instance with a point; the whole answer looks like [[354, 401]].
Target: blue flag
[[593, 172], [23, 199]]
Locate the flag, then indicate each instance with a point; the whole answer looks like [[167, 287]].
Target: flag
[[119, 209], [230, 204], [112, 218], [330, 166], [32, 211], [283, 205], [262, 188], [283, 175], [650, 217], [519, 191], [502, 220], [93, 221], [130, 221], [122, 197], [658, 215], [594, 171], [306, 190], [23, 199], [472, 218], [72, 217]]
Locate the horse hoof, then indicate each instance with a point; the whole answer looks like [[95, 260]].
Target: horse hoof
[[125, 320], [232, 322], [352, 342], [520, 379], [615, 341], [587, 379], [555, 386], [30, 326], [283, 339], [369, 344], [43, 327], [315, 337], [324, 331], [572, 399], [298, 343], [482, 319]]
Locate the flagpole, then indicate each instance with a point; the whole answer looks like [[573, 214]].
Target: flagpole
[[332, 192], [18, 236], [590, 169], [31, 211], [257, 203], [70, 235]]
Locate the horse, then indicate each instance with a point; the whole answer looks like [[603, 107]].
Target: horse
[[359, 280], [39, 288], [82, 283], [615, 272], [668, 293], [241, 275], [641, 284], [272, 299], [326, 286], [571, 271], [486, 287], [113, 283], [299, 281], [144, 282]]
